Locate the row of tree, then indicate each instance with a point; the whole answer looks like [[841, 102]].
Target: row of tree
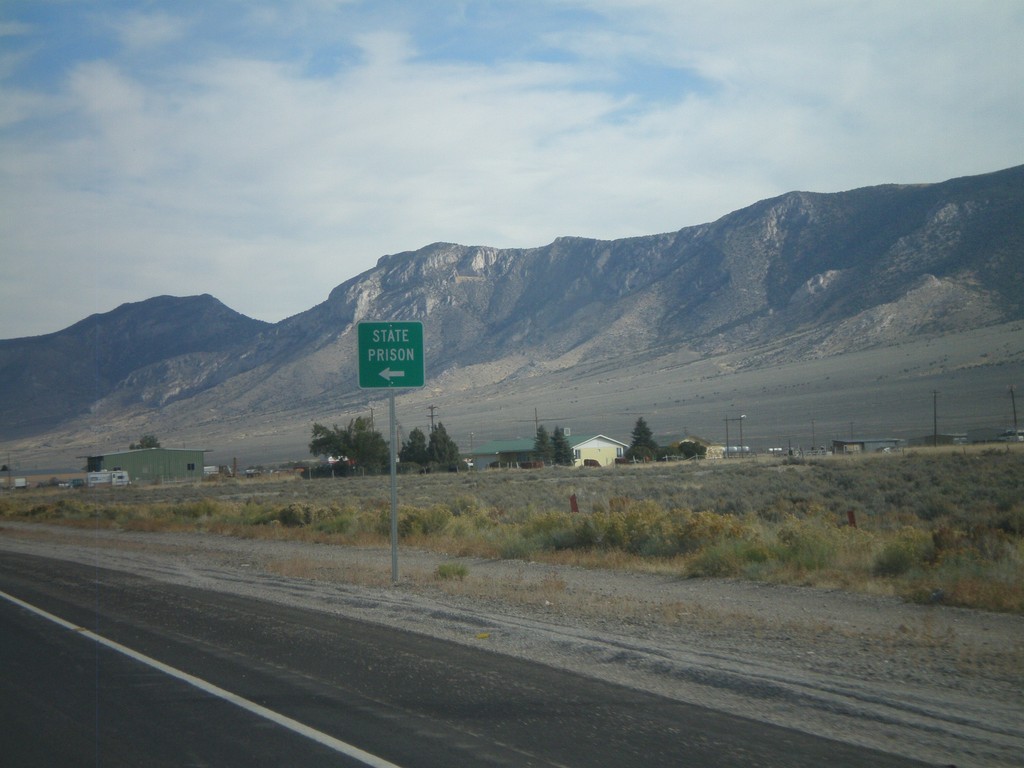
[[361, 446], [553, 449], [557, 450], [645, 448]]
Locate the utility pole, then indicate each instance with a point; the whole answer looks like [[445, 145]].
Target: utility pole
[[1013, 402], [935, 418], [432, 408]]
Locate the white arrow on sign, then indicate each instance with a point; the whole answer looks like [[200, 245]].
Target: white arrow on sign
[[388, 374]]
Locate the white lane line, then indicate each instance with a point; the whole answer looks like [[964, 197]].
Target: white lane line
[[250, 706]]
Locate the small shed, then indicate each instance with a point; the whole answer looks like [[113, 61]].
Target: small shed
[[867, 445], [152, 465]]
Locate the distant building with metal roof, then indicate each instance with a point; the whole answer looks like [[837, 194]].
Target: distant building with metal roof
[[867, 445], [152, 465]]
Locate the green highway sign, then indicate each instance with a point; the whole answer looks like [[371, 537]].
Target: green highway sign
[[390, 355]]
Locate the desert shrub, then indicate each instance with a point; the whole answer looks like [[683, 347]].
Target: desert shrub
[[550, 531], [448, 571], [41, 511], [422, 521], [196, 508], [806, 545], [729, 557], [978, 543], [74, 508], [911, 548], [1009, 518], [337, 520], [512, 545], [636, 527], [295, 515], [974, 584], [470, 525], [463, 505], [702, 529]]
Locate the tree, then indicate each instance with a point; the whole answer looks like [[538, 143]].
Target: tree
[[359, 442], [690, 449], [327, 441], [561, 449], [542, 449], [414, 450], [146, 441], [643, 446], [442, 449]]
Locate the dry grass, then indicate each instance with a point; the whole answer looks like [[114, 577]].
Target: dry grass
[[934, 525]]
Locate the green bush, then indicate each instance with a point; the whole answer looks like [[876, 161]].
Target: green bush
[[294, 515], [729, 557], [336, 520], [701, 529], [422, 521], [912, 548], [636, 527], [448, 571], [464, 505], [806, 545], [196, 508], [512, 545]]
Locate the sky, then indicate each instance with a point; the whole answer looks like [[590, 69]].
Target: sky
[[266, 152]]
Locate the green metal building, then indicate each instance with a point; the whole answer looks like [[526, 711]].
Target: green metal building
[[152, 465]]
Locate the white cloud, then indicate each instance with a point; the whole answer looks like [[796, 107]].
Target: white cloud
[[144, 31], [246, 173]]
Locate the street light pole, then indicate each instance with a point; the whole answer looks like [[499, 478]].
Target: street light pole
[[727, 443], [1013, 403]]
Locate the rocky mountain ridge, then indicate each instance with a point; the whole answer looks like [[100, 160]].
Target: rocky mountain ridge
[[800, 277]]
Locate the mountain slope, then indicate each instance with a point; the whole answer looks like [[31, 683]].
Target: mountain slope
[[800, 277], [49, 379], [941, 257]]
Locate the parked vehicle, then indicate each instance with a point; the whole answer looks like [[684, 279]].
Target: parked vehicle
[[114, 478], [1011, 436]]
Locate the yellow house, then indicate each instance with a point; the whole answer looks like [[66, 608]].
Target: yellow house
[[587, 451], [596, 450]]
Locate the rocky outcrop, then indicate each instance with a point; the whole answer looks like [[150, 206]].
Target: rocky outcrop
[[802, 276]]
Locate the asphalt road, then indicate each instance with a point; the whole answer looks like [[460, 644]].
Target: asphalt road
[[220, 680]]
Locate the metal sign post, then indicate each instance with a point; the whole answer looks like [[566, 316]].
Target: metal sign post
[[391, 357], [394, 487]]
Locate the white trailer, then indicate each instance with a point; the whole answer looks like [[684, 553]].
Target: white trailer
[[113, 477]]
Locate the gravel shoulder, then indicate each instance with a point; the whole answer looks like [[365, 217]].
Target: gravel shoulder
[[939, 684]]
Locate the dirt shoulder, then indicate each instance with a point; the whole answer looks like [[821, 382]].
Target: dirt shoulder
[[939, 684]]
